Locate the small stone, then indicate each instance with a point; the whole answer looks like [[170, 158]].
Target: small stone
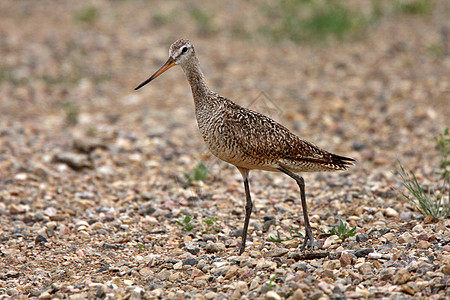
[[374, 255], [214, 247], [315, 295], [271, 295], [345, 259], [365, 269], [446, 269], [12, 274], [163, 275], [390, 212], [45, 296], [145, 272], [40, 239], [209, 237], [21, 176], [298, 295], [423, 236], [128, 282], [362, 237], [408, 289], [221, 271], [268, 223], [232, 272], [192, 248], [178, 265], [405, 215], [330, 241], [423, 245], [331, 265], [402, 276], [17, 209], [34, 292], [76, 161], [300, 266], [256, 226], [363, 252], [190, 262], [211, 295], [405, 238], [277, 252]]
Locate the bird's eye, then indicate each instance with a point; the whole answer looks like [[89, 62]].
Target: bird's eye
[[184, 49]]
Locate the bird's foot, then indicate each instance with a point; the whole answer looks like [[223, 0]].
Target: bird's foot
[[309, 241]]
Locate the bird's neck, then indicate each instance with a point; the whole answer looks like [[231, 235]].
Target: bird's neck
[[196, 79]]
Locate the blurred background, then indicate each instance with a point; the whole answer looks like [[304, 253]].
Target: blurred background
[[369, 79]]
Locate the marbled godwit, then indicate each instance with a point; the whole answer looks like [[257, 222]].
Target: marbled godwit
[[247, 139]]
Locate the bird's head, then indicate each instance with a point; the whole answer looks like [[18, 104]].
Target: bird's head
[[179, 54]]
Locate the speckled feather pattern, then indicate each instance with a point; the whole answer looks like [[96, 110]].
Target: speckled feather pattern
[[245, 138]]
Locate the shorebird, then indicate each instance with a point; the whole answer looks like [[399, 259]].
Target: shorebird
[[248, 139]]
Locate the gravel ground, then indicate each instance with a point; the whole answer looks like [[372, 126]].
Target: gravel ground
[[92, 173]]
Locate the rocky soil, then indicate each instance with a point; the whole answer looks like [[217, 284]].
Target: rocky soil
[[92, 173]]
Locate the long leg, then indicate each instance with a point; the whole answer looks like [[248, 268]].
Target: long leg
[[248, 208], [301, 185]]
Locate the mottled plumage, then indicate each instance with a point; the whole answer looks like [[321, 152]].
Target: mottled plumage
[[245, 138]]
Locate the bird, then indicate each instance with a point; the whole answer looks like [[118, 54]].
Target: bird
[[247, 139]]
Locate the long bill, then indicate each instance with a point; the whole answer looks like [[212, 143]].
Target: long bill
[[169, 64]]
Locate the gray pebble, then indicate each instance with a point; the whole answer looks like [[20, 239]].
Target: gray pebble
[[363, 252], [190, 262], [362, 237]]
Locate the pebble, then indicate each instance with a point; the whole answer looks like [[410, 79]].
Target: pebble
[[365, 269], [345, 260], [405, 215], [298, 295], [214, 247], [17, 209], [363, 252], [271, 295], [405, 238], [331, 240], [362, 237], [76, 161], [45, 296], [391, 213], [423, 245], [211, 296], [277, 252], [190, 262], [192, 248], [402, 276]]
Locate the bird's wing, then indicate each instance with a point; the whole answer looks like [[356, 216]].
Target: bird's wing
[[263, 138]]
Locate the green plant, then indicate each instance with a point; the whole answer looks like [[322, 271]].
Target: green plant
[[71, 111], [291, 236], [342, 231], [199, 173], [443, 142], [433, 202], [209, 222], [185, 222], [414, 7], [140, 246], [271, 284], [300, 20], [87, 15]]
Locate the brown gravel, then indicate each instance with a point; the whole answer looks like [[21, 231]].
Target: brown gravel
[[92, 173]]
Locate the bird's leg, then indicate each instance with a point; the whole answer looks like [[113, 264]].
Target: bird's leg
[[301, 185], [248, 209]]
